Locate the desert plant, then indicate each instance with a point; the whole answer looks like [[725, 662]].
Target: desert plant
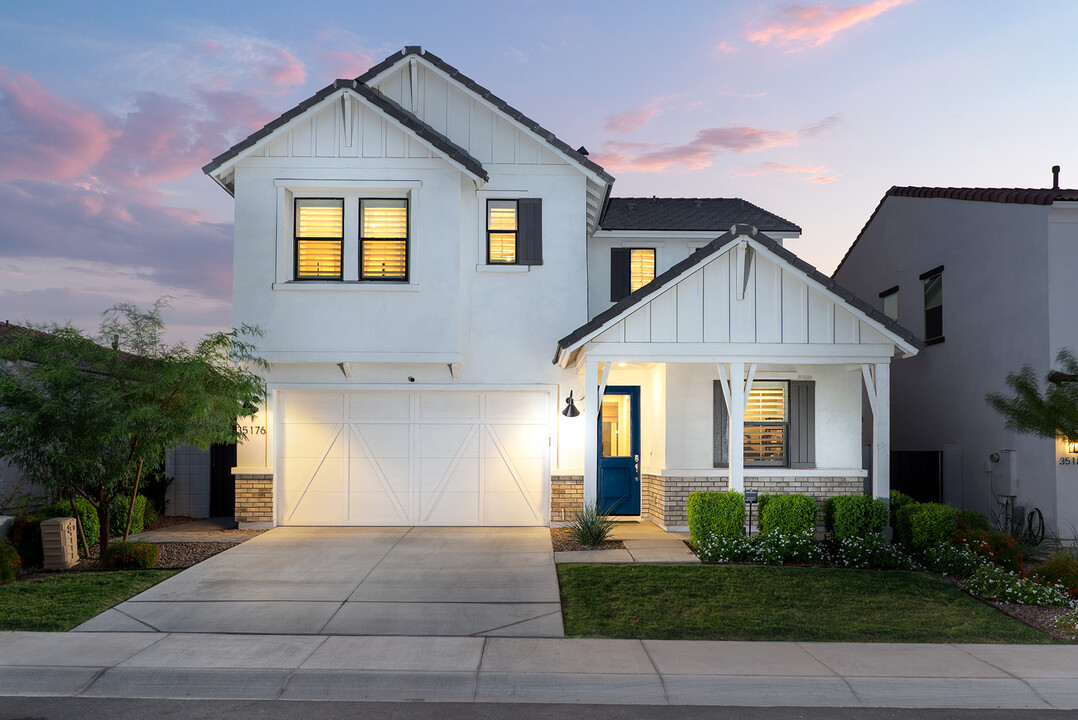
[[130, 555], [847, 516], [715, 514], [591, 525], [10, 562], [788, 514]]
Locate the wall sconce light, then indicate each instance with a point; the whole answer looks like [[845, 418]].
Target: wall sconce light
[[570, 407], [1072, 447]]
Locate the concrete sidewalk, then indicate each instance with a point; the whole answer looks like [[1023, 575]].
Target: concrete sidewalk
[[540, 670]]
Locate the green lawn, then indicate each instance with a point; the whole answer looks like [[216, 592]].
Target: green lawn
[[735, 602], [60, 602]]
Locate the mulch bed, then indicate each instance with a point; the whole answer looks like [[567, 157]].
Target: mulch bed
[[563, 540]]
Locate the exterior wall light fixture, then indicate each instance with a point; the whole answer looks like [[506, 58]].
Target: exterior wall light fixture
[[570, 407], [1072, 447]]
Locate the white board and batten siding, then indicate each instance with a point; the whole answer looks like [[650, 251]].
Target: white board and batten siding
[[413, 458], [779, 307]]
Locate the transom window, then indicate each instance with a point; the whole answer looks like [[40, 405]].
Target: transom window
[[319, 235], [383, 246], [501, 232], [766, 424]]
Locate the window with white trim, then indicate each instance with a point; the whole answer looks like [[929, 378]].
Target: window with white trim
[[383, 242], [319, 238], [780, 425]]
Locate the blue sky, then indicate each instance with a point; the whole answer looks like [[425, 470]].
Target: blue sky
[[108, 110]]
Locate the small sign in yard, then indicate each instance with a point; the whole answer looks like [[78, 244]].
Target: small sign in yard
[[752, 496]]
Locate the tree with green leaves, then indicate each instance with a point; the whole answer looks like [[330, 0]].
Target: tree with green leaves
[[86, 417], [1051, 412]]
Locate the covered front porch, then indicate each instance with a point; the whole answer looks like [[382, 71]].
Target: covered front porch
[[741, 368]]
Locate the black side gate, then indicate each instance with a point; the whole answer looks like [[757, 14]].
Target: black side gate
[[222, 482]]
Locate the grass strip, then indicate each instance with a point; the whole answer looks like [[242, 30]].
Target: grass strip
[[743, 602], [60, 602]]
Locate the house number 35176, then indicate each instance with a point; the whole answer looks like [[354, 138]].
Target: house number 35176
[[253, 429]]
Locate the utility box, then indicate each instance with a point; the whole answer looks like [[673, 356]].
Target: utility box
[[1003, 464], [58, 540]]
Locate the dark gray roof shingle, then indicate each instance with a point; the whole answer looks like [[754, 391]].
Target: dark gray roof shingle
[[707, 251], [713, 214]]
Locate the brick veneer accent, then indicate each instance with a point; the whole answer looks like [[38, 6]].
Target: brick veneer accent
[[652, 497], [818, 488], [566, 496], [254, 498], [677, 490]]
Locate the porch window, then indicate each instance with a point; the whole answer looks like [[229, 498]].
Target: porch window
[[780, 420]]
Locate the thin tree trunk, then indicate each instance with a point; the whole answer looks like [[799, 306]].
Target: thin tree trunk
[[78, 523], [131, 507]]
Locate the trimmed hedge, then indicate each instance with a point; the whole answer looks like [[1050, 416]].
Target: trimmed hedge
[[118, 514], [130, 555], [715, 514], [787, 514], [898, 500], [972, 520], [846, 516], [921, 526], [10, 562]]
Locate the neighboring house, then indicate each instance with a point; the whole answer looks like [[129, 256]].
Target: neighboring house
[[13, 486], [987, 277], [414, 248]]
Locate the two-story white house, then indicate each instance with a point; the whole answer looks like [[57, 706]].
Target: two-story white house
[[986, 276], [416, 251]]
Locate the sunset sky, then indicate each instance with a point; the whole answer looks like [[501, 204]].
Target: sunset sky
[[812, 111]]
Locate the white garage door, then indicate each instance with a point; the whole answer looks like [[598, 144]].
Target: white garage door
[[413, 458]]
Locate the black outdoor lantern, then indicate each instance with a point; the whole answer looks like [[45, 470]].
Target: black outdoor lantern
[[570, 407]]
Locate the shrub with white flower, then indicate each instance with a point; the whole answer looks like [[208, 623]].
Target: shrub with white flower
[[767, 549], [955, 560], [992, 582], [873, 551]]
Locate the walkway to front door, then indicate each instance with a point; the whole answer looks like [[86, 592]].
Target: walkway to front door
[[360, 581]]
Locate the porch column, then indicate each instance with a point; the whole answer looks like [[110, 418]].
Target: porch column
[[881, 433], [737, 426], [592, 406]]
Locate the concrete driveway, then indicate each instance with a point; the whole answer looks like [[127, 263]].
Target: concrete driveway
[[359, 581]]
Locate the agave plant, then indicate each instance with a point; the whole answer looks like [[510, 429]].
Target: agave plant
[[591, 525]]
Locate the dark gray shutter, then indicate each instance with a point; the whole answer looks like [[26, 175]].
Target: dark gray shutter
[[802, 424], [619, 273], [530, 231], [721, 427]]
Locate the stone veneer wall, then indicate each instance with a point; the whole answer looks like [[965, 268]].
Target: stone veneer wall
[[819, 488], [254, 498], [566, 496]]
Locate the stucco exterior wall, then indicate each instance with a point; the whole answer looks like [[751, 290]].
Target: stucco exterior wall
[[1005, 290]]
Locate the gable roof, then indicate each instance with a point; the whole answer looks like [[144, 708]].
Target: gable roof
[[625, 306], [714, 214], [444, 145], [1014, 196], [490, 97]]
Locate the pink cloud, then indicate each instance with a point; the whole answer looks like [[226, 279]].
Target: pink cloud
[[345, 63], [725, 48], [283, 70], [700, 152], [815, 173], [798, 28], [43, 137], [630, 120]]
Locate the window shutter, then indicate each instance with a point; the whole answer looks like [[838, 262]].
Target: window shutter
[[721, 427], [530, 231], [619, 273], [802, 424]]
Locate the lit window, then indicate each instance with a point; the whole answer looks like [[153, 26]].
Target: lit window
[[933, 280], [501, 232], [383, 246], [766, 424], [889, 298], [630, 270], [319, 233]]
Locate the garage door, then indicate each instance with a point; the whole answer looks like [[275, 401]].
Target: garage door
[[413, 458]]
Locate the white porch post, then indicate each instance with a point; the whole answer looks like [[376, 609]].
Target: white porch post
[[737, 426], [881, 433], [593, 403]]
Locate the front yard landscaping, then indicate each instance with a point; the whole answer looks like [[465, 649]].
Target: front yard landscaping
[[742, 602], [62, 601]]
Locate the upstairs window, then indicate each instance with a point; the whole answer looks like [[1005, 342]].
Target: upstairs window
[[319, 235], [515, 232], [383, 242], [889, 299], [630, 270], [933, 280]]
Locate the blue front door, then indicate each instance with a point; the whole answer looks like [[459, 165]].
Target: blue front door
[[619, 451]]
